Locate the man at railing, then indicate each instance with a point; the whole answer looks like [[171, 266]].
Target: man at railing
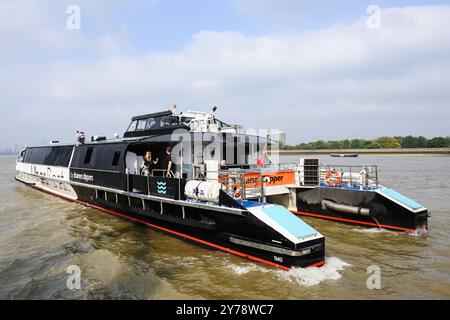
[[167, 162]]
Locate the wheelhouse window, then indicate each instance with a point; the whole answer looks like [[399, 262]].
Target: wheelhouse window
[[150, 123], [168, 121], [141, 125], [133, 126], [145, 124]]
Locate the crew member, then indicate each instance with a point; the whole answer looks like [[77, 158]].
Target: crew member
[[167, 163]]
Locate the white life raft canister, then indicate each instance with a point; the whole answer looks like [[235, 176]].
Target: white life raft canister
[[203, 190]]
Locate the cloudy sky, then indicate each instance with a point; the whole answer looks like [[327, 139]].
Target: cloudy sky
[[312, 68]]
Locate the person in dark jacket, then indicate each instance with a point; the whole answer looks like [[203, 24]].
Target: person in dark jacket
[[167, 163]]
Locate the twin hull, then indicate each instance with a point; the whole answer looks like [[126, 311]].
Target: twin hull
[[234, 230], [382, 208]]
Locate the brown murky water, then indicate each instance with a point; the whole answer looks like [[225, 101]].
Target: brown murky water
[[41, 235]]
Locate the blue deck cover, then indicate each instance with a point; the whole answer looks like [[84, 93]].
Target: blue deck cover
[[251, 204], [289, 221], [282, 217], [401, 198]]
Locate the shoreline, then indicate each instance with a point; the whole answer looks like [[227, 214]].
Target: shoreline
[[380, 152]]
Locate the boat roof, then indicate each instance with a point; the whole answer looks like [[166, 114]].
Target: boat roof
[[197, 137], [165, 138], [156, 114], [164, 135]]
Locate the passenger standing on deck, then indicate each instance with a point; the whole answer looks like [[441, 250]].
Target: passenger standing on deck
[[167, 163], [148, 165]]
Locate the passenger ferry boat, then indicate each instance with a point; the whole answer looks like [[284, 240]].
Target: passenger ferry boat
[[216, 195], [202, 199]]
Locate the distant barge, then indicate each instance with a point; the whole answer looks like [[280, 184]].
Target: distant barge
[[344, 155]]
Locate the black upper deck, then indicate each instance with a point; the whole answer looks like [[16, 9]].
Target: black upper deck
[[154, 124], [150, 132]]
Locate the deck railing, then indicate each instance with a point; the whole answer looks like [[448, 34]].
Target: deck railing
[[351, 176], [252, 182]]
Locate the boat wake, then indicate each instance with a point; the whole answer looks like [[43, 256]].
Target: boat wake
[[241, 270], [417, 233], [305, 277], [374, 230], [310, 277]]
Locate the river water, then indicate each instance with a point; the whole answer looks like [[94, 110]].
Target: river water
[[41, 236]]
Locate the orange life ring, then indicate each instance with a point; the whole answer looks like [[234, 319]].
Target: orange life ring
[[237, 194], [333, 178]]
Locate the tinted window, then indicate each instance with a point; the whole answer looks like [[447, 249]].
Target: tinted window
[[116, 158], [108, 156], [132, 126], [144, 124], [50, 156], [88, 156], [26, 157], [141, 125], [150, 123], [168, 121], [38, 155]]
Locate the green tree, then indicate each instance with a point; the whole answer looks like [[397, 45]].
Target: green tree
[[438, 142], [346, 144], [320, 145], [355, 144], [336, 144], [410, 142], [422, 142], [385, 143], [365, 144], [399, 139]]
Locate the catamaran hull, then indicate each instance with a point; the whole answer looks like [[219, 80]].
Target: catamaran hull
[[382, 208], [241, 235]]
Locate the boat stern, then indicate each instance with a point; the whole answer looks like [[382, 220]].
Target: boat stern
[[299, 244], [414, 214]]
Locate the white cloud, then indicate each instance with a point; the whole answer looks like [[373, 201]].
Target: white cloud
[[345, 81], [32, 30]]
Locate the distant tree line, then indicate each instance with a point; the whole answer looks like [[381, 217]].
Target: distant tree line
[[379, 143]]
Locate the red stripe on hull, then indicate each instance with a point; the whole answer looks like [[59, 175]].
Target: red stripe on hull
[[363, 223], [240, 254]]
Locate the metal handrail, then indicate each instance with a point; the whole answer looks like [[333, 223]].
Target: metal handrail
[[352, 172], [351, 177], [172, 175]]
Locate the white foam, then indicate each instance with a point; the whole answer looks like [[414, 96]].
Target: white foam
[[372, 230], [314, 276], [241, 270], [419, 232], [306, 277]]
